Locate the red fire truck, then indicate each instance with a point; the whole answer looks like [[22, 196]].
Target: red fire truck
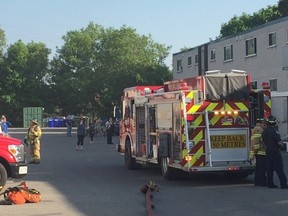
[[199, 124]]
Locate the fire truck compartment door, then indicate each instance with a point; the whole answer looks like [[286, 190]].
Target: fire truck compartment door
[[164, 144], [164, 116], [229, 144]]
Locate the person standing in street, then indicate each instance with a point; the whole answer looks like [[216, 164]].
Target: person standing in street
[[81, 132], [258, 152], [33, 137], [91, 131], [110, 130], [273, 143], [5, 125], [69, 127]]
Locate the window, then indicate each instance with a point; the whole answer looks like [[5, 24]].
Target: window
[[179, 65], [189, 60], [228, 52], [272, 39], [196, 59], [273, 84], [251, 45], [213, 55]]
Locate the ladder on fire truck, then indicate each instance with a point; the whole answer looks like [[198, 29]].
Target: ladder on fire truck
[[190, 144]]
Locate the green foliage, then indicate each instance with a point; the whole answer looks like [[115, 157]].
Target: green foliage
[[23, 78], [246, 21], [2, 40], [95, 64], [283, 7], [86, 76]]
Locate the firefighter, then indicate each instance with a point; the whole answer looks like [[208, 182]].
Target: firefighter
[[273, 143], [258, 152], [33, 138]]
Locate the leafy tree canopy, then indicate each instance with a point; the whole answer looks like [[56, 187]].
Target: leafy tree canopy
[[23, 78], [245, 21], [95, 64], [2, 39], [283, 7]]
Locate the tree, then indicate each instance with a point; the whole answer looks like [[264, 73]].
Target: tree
[[2, 40], [246, 21], [95, 64], [283, 7], [23, 78]]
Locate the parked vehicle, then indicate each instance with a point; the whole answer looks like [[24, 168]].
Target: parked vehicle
[[12, 159], [195, 125]]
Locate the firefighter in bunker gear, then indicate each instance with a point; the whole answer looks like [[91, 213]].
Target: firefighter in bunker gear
[[258, 152], [33, 137], [273, 143]]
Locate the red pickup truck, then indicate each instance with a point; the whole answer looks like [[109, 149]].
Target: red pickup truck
[[12, 159]]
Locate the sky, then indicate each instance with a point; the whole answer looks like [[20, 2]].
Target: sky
[[175, 23]]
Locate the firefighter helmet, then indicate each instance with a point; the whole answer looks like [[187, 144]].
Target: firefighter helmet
[[260, 120], [272, 120]]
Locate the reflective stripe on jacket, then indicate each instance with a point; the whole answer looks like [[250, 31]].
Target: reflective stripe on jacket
[[258, 146]]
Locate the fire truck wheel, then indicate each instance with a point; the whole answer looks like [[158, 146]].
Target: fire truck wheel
[[130, 162], [168, 173], [3, 176]]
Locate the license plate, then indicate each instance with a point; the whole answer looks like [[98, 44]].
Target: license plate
[[23, 169]]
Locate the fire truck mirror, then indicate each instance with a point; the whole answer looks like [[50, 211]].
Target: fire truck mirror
[[164, 144]]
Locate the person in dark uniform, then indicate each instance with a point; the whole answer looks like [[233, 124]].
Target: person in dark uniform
[[273, 143], [110, 130]]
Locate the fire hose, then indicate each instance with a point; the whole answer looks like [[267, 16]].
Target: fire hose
[[148, 189]]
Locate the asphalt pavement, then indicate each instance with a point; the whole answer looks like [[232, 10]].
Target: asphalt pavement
[[95, 181]]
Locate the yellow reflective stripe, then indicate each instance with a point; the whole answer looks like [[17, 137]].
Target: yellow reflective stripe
[[242, 106], [215, 119], [227, 123], [228, 107], [184, 153], [194, 109], [257, 135], [190, 95], [198, 120], [195, 157], [256, 146], [211, 106], [268, 103], [198, 137]]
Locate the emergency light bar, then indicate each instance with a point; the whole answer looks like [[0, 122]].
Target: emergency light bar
[[234, 112]]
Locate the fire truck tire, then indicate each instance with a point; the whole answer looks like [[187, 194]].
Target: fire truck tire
[[130, 162], [3, 176], [168, 173]]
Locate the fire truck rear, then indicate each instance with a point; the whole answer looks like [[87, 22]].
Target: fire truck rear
[[200, 124]]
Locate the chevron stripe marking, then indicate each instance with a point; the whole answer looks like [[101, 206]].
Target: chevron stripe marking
[[194, 109], [215, 119], [198, 120], [242, 106], [198, 137], [211, 106]]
